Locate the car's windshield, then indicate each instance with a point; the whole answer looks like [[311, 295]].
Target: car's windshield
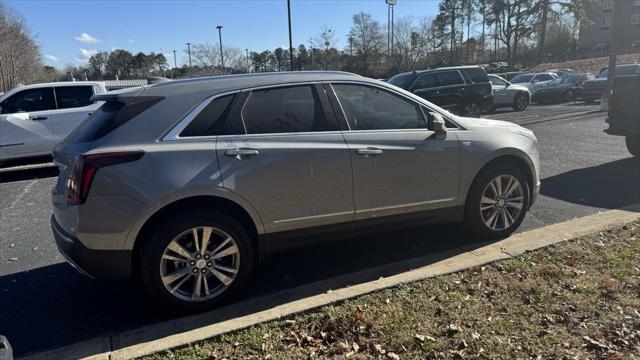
[[522, 78], [402, 80]]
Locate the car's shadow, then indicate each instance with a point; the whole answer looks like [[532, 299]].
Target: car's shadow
[[19, 174], [54, 306], [611, 185]]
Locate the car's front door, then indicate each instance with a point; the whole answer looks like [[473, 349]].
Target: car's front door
[[25, 123], [500, 92], [74, 106], [283, 153], [399, 166]]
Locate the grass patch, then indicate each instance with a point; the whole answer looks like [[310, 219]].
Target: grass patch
[[578, 299]]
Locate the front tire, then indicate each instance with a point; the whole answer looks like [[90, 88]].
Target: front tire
[[633, 144], [521, 102], [196, 260], [471, 109], [497, 202]]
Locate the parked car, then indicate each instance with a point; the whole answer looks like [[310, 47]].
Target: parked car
[[465, 90], [187, 183], [533, 81], [509, 75], [593, 90], [506, 94], [565, 88], [34, 118], [624, 111]]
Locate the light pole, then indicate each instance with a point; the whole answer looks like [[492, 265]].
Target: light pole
[[311, 57], [246, 52], [175, 65], [350, 44], [290, 39], [219, 27], [391, 4], [189, 52]]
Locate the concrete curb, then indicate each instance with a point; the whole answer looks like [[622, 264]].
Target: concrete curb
[[188, 330]]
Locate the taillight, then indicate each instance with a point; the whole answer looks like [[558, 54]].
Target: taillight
[[86, 167]]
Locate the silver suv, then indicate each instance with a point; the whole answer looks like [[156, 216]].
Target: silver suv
[[185, 184]]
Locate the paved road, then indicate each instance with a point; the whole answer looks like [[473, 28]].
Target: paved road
[[44, 303]]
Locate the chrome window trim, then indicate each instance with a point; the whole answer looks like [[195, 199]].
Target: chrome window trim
[[411, 97]]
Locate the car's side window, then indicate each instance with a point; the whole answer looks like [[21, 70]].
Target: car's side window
[[497, 82], [372, 108], [30, 100], [285, 110], [426, 81], [73, 96], [448, 78], [208, 121]]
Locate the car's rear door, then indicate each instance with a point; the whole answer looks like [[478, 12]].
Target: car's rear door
[[74, 106], [283, 152], [25, 123], [452, 88], [399, 166], [427, 87]]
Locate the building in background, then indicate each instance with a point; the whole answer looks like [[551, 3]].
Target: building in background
[[596, 38]]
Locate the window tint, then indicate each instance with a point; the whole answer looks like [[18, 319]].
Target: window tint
[[402, 80], [543, 77], [73, 96], [477, 75], [522, 79], [285, 110], [371, 108], [426, 81], [447, 78], [208, 121], [29, 101]]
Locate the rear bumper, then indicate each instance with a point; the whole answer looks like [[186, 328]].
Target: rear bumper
[[487, 103], [110, 264], [592, 93]]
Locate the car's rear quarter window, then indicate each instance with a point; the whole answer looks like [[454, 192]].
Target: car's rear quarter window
[[209, 120], [477, 75]]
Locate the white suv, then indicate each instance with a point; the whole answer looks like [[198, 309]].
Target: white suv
[[34, 118]]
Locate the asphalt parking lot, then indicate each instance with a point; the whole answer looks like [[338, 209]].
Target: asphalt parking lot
[[44, 303]]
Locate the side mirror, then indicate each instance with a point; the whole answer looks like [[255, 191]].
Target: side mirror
[[438, 126]]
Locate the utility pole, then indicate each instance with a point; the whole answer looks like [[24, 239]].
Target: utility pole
[[175, 65], [390, 4], [350, 44], [311, 57], [290, 38], [246, 52], [189, 52], [219, 27], [613, 51]]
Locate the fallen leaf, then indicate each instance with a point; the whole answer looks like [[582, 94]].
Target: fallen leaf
[[13, 259], [392, 355], [593, 344], [355, 346], [379, 349]]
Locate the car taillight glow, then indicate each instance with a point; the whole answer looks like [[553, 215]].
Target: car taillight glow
[[85, 168]]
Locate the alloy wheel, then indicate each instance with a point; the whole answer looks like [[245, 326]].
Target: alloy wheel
[[521, 102], [472, 109], [200, 264], [502, 202]]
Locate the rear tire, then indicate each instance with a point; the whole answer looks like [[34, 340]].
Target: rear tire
[[633, 144], [496, 208], [520, 102], [180, 274], [471, 109]]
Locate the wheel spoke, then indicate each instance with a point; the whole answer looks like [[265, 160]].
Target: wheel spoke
[[511, 219], [197, 287], [508, 187], [498, 186], [222, 245], [174, 258], [206, 286], [173, 277], [177, 286], [514, 204], [225, 268], [206, 235], [492, 219], [505, 221], [513, 186], [195, 239], [179, 249], [226, 252], [222, 277]]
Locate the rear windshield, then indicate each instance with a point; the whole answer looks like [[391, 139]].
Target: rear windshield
[[109, 117], [477, 75], [402, 80]]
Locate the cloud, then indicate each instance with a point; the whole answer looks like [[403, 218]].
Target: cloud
[[51, 57], [85, 55], [87, 39], [131, 41]]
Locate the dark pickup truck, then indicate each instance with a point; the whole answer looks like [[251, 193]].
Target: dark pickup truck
[[624, 111], [592, 90]]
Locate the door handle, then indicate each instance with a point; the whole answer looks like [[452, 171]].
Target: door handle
[[241, 152], [39, 118], [369, 151]]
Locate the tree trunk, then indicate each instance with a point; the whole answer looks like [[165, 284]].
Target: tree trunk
[[543, 29]]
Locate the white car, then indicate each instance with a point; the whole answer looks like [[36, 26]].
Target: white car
[[34, 118], [534, 81], [506, 94]]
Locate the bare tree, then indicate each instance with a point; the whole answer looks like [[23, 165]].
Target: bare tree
[[20, 60], [368, 40], [206, 56]]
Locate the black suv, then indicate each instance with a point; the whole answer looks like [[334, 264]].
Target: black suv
[[465, 90]]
